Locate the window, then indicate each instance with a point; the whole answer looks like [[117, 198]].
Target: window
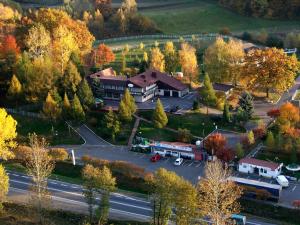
[[244, 166]]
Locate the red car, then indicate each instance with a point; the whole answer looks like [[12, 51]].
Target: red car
[[155, 158]]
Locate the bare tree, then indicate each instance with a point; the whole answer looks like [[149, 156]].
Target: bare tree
[[39, 166], [217, 195]]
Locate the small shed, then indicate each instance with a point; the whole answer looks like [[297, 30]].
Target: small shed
[[260, 167], [225, 88]]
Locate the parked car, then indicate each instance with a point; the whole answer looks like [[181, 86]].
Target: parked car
[[178, 161], [238, 219], [282, 181], [155, 158]]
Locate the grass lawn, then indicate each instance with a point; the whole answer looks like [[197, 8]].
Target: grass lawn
[[46, 129], [207, 16], [95, 122], [196, 122], [147, 130]]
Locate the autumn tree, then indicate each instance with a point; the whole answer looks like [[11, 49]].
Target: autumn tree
[[39, 167], [4, 186], [112, 124], [71, 78], [64, 44], [98, 181], [67, 110], [9, 52], [52, 18], [218, 196], [214, 143], [207, 92], [38, 41], [171, 57], [124, 112], [15, 88], [77, 110], [129, 7], [160, 118], [223, 61], [51, 108], [103, 55], [288, 117], [157, 60], [169, 191], [7, 135], [184, 135], [188, 62], [85, 94], [269, 69]]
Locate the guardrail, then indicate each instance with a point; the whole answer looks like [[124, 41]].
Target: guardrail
[[24, 113]]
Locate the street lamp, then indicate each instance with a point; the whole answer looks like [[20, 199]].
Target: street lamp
[[203, 129]]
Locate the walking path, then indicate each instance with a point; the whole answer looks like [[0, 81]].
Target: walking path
[[133, 132]]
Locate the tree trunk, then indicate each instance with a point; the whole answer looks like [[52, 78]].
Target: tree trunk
[[267, 92]]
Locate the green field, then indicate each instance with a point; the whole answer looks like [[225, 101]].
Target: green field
[[199, 124], [196, 16], [55, 133]]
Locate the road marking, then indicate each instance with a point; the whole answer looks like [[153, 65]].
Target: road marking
[[199, 164], [294, 188], [80, 194], [64, 185], [191, 164]]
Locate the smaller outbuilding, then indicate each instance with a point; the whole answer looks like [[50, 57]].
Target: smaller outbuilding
[[260, 167], [224, 88]]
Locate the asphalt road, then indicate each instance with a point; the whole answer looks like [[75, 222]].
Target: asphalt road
[[71, 194]]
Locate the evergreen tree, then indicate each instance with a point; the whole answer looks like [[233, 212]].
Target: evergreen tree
[[160, 118], [226, 113], [270, 141], [124, 112], [66, 105], [112, 124], [294, 158], [246, 104], [251, 137], [123, 65], [171, 57], [279, 141], [15, 88], [71, 78], [240, 153], [85, 94], [207, 92], [56, 96], [51, 109], [77, 110], [129, 101]]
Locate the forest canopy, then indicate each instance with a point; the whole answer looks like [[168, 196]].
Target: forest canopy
[[284, 9]]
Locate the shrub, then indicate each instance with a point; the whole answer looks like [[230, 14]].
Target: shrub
[[184, 135], [21, 152], [58, 154], [94, 161]]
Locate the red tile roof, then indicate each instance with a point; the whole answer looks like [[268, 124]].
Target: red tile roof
[[109, 72], [258, 162], [152, 76]]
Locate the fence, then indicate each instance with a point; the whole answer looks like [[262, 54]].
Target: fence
[[24, 113], [188, 37]]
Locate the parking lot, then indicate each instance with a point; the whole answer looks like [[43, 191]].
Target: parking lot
[[189, 169]]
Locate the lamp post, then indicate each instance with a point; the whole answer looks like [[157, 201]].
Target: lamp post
[[203, 130]]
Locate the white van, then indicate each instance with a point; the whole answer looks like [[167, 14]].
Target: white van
[[282, 181]]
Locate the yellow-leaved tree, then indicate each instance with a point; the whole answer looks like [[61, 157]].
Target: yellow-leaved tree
[[217, 195], [7, 134], [157, 61], [188, 62]]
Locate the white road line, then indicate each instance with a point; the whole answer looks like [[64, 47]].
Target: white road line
[[79, 194], [294, 188], [253, 223], [84, 204], [191, 164]]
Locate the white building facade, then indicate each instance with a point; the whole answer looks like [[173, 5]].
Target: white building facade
[[259, 167]]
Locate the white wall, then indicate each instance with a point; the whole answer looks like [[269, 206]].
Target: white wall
[[263, 171]]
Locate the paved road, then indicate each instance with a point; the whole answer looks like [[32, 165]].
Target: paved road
[[90, 137], [70, 194]]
